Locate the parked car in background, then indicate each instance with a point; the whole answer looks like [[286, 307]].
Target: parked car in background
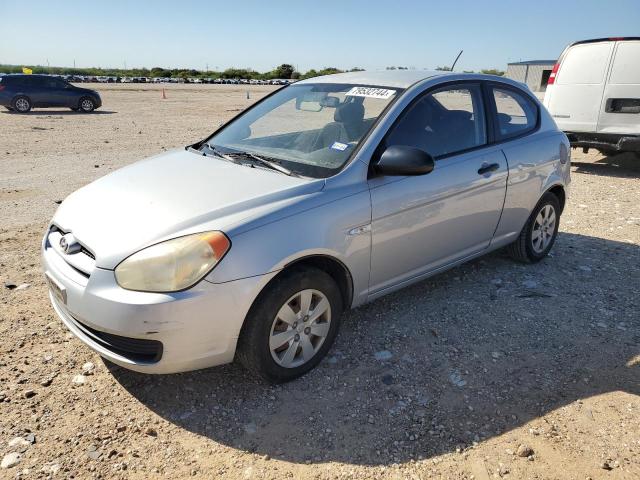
[[21, 93], [594, 94], [353, 185]]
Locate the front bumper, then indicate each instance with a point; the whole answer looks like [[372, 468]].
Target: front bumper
[[150, 332]]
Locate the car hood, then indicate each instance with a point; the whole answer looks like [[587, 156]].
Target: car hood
[[170, 195]]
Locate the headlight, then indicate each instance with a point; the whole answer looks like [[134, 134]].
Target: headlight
[[172, 265]]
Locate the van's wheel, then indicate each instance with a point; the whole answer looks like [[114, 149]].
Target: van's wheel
[[608, 152], [87, 105], [539, 233], [21, 104], [291, 325]]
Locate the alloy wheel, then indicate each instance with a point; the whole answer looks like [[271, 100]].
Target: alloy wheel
[[22, 105], [544, 228], [86, 105]]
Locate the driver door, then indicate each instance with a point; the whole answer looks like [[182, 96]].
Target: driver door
[[423, 223]]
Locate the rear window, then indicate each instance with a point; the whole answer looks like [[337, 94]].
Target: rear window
[[626, 66], [585, 64]]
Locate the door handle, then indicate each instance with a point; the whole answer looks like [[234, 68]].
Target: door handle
[[488, 168]]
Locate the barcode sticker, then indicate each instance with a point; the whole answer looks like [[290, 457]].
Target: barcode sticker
[[372, 92]]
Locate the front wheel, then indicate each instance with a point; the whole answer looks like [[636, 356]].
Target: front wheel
[[87, 105], [539, 233], [291, 326]]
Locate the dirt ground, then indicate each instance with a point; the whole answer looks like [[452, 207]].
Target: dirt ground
[[493, 369]]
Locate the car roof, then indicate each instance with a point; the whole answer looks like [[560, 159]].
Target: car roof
[[384, 78]]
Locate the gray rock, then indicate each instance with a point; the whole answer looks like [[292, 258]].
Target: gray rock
[[10, 460], [383, 355], [530, 283], [94, 454], [456, 379], [23, 286]]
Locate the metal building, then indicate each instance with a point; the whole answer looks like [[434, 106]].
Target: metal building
[[535, 73]]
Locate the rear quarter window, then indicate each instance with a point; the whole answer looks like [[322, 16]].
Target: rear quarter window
[[516, 114], [585, 64]]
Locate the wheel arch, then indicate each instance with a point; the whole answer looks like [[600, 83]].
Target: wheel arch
[[559, 191], [328, 264]]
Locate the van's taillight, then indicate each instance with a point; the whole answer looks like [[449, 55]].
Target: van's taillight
[[552, 75]]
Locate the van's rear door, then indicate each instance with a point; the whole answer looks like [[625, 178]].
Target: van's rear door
[[574, 100], [620, 109]]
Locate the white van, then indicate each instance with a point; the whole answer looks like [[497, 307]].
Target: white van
[[594, 94]]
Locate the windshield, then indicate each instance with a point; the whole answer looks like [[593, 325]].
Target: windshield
[[310, 129]]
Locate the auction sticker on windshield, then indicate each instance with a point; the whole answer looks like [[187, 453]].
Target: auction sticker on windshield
[[372, 92]]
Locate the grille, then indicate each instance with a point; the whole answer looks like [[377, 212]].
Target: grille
[[83, 262], [134, 349]]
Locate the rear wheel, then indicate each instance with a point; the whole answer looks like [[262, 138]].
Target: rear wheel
[[87, 105], [608, 152], [539, 233], [21, 104], [291, 326]]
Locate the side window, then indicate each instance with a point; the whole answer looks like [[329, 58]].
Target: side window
[[443, 122], [516, 113], [51, 83]]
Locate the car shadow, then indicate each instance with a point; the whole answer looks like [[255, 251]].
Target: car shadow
[[621, 165], [59, 112], [468, 355]]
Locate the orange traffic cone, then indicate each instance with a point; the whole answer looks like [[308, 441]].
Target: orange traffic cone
[[164, 95]]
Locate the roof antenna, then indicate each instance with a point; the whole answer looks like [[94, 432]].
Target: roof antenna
[[456, 61]]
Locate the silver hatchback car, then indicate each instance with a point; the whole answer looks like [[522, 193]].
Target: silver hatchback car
[[324, 195]]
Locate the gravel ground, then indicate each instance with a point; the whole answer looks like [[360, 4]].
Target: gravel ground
[[493, 369]]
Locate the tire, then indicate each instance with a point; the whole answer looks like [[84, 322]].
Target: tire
[[21, 104], [86, 105], [258, 346], [608, 152], [536, 239]]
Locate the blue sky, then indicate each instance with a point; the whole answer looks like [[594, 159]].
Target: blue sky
[[309, 34]]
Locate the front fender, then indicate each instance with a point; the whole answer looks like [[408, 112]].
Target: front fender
[[325, 230]]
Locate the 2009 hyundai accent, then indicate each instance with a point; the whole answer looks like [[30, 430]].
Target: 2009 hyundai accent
[[322, 196]]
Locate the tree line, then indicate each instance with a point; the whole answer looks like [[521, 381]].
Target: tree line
[[285, 71]]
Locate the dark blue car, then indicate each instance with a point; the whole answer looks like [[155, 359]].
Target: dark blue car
[[21, 93]]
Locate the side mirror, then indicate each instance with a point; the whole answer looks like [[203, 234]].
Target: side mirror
[[402, 160]]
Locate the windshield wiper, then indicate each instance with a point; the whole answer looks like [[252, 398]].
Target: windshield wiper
[[219, 154], [267, 163]]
